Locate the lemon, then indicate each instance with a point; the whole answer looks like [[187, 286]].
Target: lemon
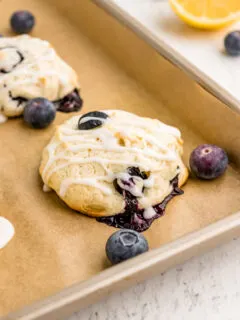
[[207, 14]]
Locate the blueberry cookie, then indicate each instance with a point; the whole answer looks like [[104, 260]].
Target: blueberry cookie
[[30, 68], [116, 166]]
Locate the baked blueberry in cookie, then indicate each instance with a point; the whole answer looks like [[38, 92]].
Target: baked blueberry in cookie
[[116, 166], [91, 120], [70, 103], [137, 218], [30, 68]]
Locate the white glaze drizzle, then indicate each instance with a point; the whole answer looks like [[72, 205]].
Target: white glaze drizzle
[[3, 118], [149, 213], [6, 232], [86, 119], [103, 138], [135, 190], [93, 182], [135, 187], [25, 68], [46, 188], [100, 161]]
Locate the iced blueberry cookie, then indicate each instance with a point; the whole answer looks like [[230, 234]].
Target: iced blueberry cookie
[[30, 68], [116, 166]]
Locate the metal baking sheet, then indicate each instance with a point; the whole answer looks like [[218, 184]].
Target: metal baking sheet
[[56, 262]]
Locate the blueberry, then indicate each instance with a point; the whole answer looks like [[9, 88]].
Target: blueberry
[[135, 171], [39, 113], [70, 103], [232, 43], [95, 114], [208, 161], [133, 217], [125, 244], [130, 183], [22, 21], [87, 124]]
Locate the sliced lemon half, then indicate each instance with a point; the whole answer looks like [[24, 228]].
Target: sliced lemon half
[[207, 14]]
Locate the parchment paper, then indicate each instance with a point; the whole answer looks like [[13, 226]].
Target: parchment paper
[[55, 247]]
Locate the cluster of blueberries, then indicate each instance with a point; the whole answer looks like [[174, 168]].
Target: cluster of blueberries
[[207, 162]]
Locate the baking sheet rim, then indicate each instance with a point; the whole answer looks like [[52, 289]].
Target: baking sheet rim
[[166, 252], [126, 270], [171, 55]]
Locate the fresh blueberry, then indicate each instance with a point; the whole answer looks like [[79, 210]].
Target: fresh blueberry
[[94, 121], [70, 103], [208, 161], [39, 113], [125, 244], [22, 21], [232, 43]]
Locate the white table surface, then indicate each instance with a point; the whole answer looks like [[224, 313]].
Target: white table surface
[[206, 287]]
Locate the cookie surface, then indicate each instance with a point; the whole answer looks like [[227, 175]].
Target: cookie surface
[[91, 169], [30, 68]]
